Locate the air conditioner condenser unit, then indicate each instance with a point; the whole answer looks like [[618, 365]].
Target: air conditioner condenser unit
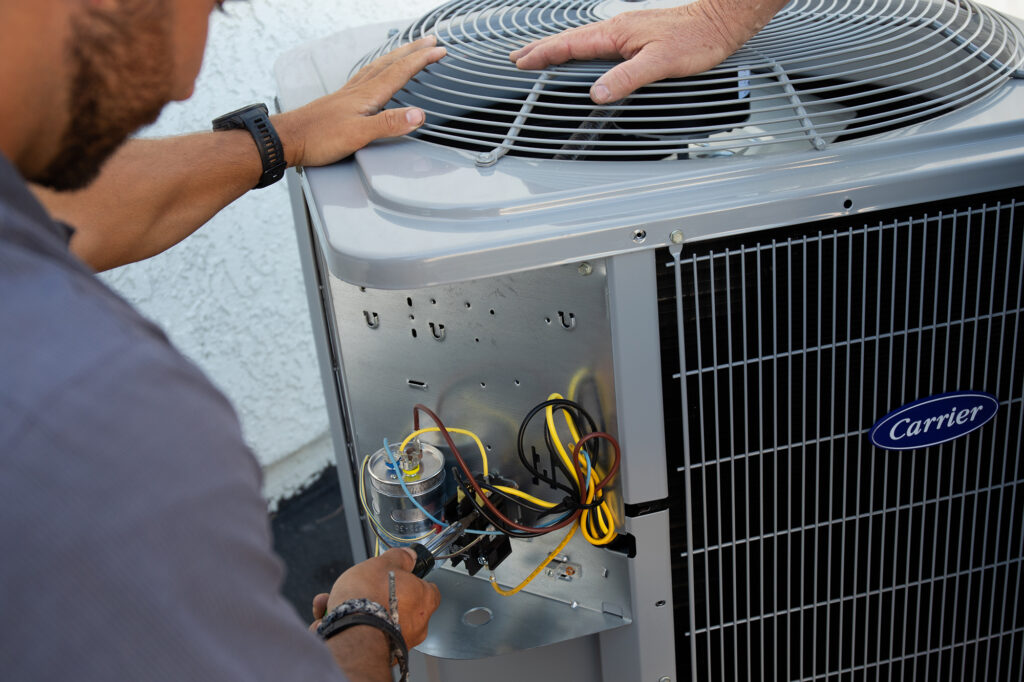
[[786, 295]]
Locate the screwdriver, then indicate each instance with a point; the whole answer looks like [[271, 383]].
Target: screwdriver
[[435, 546]]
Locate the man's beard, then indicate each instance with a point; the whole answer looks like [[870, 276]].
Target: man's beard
[[122, 68]]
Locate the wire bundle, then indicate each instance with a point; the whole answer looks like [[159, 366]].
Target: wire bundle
[[583, 505]]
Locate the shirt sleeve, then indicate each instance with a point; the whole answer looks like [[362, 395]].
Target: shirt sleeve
[[140, 543]]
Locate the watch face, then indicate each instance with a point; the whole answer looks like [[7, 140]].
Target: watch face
[[255, 118], [234, 119]]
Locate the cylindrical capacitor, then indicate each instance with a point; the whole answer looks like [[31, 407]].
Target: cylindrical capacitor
[[389, 502]]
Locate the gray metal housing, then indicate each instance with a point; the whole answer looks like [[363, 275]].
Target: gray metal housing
[[408, 248]]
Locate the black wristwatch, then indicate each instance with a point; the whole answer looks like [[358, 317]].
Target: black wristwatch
[[256, 119]]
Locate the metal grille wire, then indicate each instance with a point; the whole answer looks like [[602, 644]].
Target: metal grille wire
[[823, 71], [802, 552]]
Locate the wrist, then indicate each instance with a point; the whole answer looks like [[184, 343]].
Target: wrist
[[731, 22], [289, 130], [362, 652], [358, 612]]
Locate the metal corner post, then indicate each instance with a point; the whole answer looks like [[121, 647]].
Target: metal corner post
[[315, 291], [644, 650]]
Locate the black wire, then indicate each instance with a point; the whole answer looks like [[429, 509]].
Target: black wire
[[562, 404]]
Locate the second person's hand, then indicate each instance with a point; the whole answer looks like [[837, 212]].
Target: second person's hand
[[655, 43]]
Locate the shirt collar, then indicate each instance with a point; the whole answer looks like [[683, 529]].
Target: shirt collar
[[17, 197]]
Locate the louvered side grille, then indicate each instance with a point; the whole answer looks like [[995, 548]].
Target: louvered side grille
[[812, 553]]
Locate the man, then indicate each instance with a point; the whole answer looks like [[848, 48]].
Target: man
[[135, 544], [655, 43], [134, 541]]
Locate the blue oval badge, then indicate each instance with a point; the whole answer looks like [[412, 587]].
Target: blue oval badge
[[934, 420]]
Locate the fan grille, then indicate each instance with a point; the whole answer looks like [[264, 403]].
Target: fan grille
[[819, 73]]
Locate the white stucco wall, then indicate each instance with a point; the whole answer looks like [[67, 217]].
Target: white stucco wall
[[231, 296]]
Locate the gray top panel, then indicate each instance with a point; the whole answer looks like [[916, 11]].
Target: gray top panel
[[409, 213]]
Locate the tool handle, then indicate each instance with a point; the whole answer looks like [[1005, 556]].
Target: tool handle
[[424, 561]]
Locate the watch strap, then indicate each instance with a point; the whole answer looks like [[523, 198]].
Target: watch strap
[[256, 119]]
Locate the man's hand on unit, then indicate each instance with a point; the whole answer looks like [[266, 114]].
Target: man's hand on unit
[[336, 125], [655, 43]]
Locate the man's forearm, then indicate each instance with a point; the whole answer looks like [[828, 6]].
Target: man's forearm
[[154, 193]]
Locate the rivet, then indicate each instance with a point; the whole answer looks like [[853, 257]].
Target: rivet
[[639, 235]]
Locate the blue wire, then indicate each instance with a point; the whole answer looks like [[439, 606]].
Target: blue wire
[[405, 489]]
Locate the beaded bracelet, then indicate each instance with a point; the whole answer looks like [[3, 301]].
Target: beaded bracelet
[[365, 612]]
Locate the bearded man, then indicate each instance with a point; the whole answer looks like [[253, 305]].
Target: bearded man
[[134, 541]]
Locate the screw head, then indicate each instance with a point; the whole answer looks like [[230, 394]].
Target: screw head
[[676, 237], [585, 269]]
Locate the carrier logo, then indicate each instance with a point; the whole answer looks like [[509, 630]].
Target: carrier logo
[[933, 420]]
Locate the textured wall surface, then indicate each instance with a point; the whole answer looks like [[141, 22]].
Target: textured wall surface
[[231, 296]]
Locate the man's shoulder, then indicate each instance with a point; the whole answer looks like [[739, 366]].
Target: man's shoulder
[[72, 353], [60, 323]]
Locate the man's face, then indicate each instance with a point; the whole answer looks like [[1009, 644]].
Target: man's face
[[127, 59]]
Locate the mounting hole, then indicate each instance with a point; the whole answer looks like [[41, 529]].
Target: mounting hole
[[488, 447], [476, 340], [468, 305], [483, 384], [516, 381], [409, 301], [492, 311], [639, 236], [659, 603], [478, 616], [433, 301], [848, 204], [547, 320], [414, 333], [363, 289]]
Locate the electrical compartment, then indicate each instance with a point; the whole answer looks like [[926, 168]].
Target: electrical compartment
[[516, 370]]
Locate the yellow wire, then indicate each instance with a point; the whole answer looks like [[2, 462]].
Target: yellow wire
[[464, 432], [603, 511], [574, 383], [526, 496], [555, 552]]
